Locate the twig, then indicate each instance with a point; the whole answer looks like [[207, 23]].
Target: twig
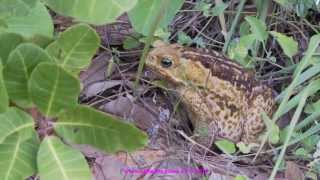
[[233, 26]]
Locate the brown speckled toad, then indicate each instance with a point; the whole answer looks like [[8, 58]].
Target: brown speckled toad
[[223, 100]]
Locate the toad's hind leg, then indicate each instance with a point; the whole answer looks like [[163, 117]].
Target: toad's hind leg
[[253, 127]]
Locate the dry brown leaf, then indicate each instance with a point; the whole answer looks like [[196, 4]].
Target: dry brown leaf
[[124, 107], [293, 172], [96, 88], [97, 70]]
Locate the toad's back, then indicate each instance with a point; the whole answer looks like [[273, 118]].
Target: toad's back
[[223, 99]]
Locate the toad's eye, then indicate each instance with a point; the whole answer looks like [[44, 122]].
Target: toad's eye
[[166, 62]]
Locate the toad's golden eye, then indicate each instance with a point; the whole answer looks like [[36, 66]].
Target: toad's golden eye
[[166, 62]]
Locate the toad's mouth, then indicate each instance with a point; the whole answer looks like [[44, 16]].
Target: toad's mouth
[[163, 75]]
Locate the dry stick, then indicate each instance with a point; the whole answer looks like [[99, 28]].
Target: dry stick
[[233, 26], [222, 21], [146, 48], [188, 24]]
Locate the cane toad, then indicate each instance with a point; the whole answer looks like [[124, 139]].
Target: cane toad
[[223, 100]]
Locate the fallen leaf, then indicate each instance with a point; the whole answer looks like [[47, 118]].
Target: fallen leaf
[[293, 172], [96, 88], [125, 108], [97, 69]]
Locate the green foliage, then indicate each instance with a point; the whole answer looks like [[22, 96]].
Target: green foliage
[[289, 46], [307, 91], [37, 23], [208, 10], [246, 148], [41, 76], [53, 89], [58, 161], [77, 125], [17, 71], [10, 8], [4, 99], [258, 28], [45, 76], [226, 146], [300, 7], [8, 42], [75, 47], [96, 12], [132, 42], [15, 121], [218, 9], [272, 129], [204, 6], [239, 51], [142, 15], [238, 177], [18, 157], [184, 39]]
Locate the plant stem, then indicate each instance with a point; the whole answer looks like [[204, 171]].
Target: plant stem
[[149, 40], [290, 132], [233, 26]]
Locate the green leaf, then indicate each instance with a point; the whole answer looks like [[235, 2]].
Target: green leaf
[[288, 44], [57, 161], [4, 99], [301, 152], [75, 47], [143, 14], [53, 89], [273, 128], [184, 39], [131, 43], [312, 107], [9, 8], [218, 9], [246, 148], [238, 177], [226, 146], [21, 63], [239, 51], [15, 121], [8, 42], [96, 12], [244, 28], [84, 125], [18, 157], [258, 28], [247, 40], [310, 143], [204, 7], [38, 22]]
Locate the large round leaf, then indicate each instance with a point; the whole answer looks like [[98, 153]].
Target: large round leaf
[[143, 15], [84, 125], [57, 161], [8, 42], [53, 89], [75, 47], [15, 121], [9, 8], [37, 22], [18, 157], [21, 63], [95, 12]]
